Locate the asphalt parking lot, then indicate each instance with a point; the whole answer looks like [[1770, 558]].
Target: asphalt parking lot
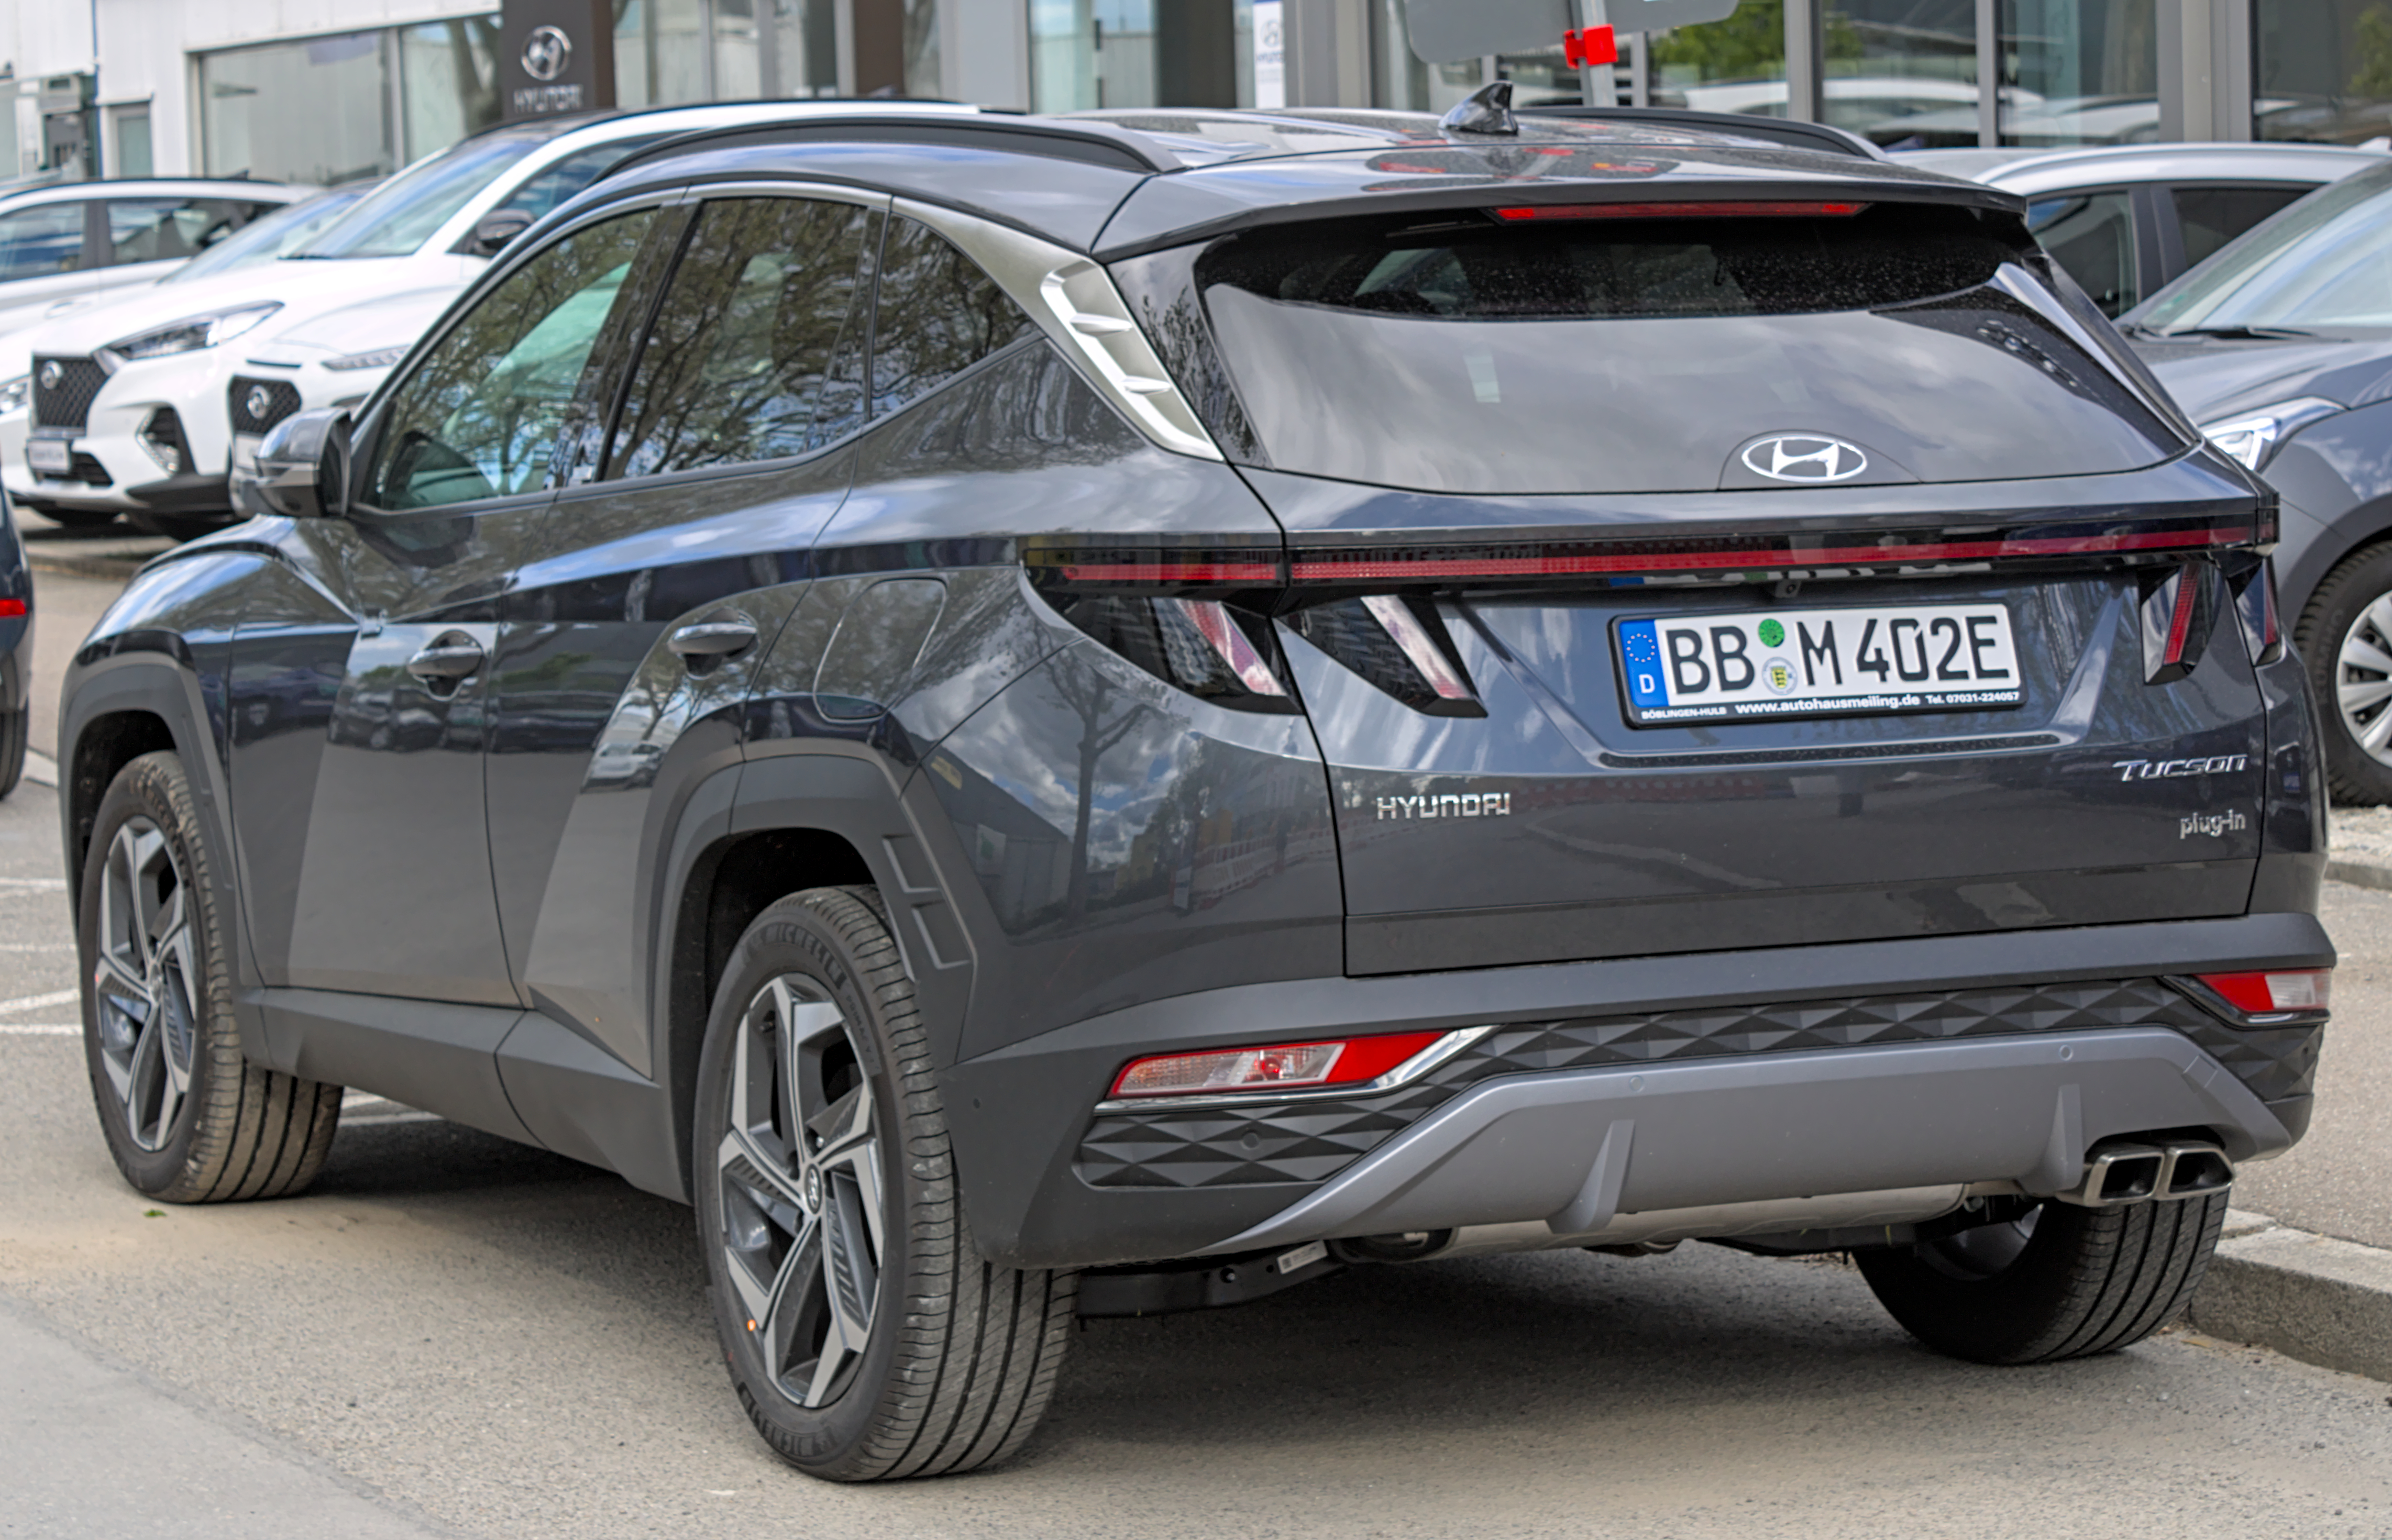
[[453, 1335]]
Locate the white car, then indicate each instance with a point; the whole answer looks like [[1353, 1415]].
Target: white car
[[130, 404], [78, 239], [329, 360]]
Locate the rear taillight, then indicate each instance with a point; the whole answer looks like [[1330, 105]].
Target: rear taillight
[[1274, 1067], [2291, 989], [12, 609], [2254, 608], [1398, 645], [2177, 618], [1200, 645]]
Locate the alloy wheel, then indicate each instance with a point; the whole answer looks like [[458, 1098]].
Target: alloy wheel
[[799, 1182], [143, 982], [2363, 680]]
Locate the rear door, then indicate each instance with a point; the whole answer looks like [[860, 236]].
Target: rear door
[[670, 564]]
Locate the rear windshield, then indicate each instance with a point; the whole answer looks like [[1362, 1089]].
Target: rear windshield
[[1640, 354]]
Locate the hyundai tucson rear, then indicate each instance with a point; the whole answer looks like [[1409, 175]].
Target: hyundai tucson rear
[[1136, 711]]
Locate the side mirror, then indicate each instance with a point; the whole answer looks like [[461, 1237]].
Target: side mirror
[[497, 228], [302, 467]]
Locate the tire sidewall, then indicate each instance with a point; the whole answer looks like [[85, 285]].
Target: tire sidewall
[[2354, 775], [152, 786], [793, 939]]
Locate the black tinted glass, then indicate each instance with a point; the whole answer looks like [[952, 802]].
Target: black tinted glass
[[732, 370], [2092, 234], [480, 417], [1619, 356], [2209, 218], [937, 315], [172, 230]]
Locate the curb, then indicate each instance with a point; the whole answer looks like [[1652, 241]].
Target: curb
[[2318, 1299], [2358, 874]]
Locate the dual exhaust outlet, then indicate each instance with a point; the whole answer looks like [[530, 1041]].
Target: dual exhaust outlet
[[2120, 1174]]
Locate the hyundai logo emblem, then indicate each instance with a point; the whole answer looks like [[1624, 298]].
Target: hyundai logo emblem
[[257, 402], [1805, 458], [51, 375], [546, 52]]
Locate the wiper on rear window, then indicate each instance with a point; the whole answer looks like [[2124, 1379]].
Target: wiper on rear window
[[2239, 333]]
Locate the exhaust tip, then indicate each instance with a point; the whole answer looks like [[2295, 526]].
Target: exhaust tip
[[2196, 1170], [2123, 1173]]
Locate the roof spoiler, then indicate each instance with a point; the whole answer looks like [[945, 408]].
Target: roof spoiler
[[1779, 131]]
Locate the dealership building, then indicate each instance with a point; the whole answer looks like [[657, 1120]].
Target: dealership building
[[329, 90]]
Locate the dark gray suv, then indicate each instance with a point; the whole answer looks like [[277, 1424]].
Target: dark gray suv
[[1098, 715]]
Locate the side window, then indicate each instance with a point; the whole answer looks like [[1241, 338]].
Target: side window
[[38, 241], [753, 323], [2092, 234], [170, 229], [937, 315], [2209, 218], [481, 416], [554, 183]]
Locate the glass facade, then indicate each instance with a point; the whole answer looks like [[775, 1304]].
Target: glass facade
[[2080, 72], [1903, 72], [371, 101], [1137, 53], [1737, 65], [2324, 69]]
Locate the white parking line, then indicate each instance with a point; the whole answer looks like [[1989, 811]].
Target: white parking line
[[40, 1030], [43, 885], [37, 946], [27, 1003], [40, 769]]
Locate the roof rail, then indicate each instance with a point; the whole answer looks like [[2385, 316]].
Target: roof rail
[[1092, 143], [1784, 131]]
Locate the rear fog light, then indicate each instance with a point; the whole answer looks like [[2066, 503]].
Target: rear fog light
[[2266, 994], [1278, 1066]]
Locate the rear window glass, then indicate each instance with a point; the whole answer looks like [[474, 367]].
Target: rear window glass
[[1639, 354]]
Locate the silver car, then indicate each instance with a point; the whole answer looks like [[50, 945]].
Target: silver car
[[2126, 220]]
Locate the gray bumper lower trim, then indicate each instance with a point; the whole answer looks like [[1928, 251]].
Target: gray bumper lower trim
[[1574, 1151]]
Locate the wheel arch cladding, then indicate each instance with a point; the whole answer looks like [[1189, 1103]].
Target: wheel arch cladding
[[732, 881]]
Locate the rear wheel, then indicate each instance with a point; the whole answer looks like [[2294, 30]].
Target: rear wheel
[[2064, 1282], [2344, 636], [187, 1118], [866, 1337], [16, 728]]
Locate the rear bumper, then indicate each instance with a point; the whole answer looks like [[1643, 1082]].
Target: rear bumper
[[2013, 1068]]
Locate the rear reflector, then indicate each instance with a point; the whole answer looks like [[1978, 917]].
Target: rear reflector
[[12, 609], [1765, 209], [2266, 994], [1280, 1066]]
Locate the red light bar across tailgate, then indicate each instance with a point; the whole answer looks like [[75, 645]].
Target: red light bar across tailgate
[[1775, 209]]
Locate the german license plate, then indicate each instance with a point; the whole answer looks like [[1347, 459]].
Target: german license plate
[[50, 456], [1754, 665]]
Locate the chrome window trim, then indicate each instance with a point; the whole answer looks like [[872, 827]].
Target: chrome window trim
[[1075, 302], [1401, 1075]]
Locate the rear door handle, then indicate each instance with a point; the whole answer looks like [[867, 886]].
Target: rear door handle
[[451, 657], [722, 638]]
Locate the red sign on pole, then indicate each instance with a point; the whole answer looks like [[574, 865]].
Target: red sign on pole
[[1592, 46]]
